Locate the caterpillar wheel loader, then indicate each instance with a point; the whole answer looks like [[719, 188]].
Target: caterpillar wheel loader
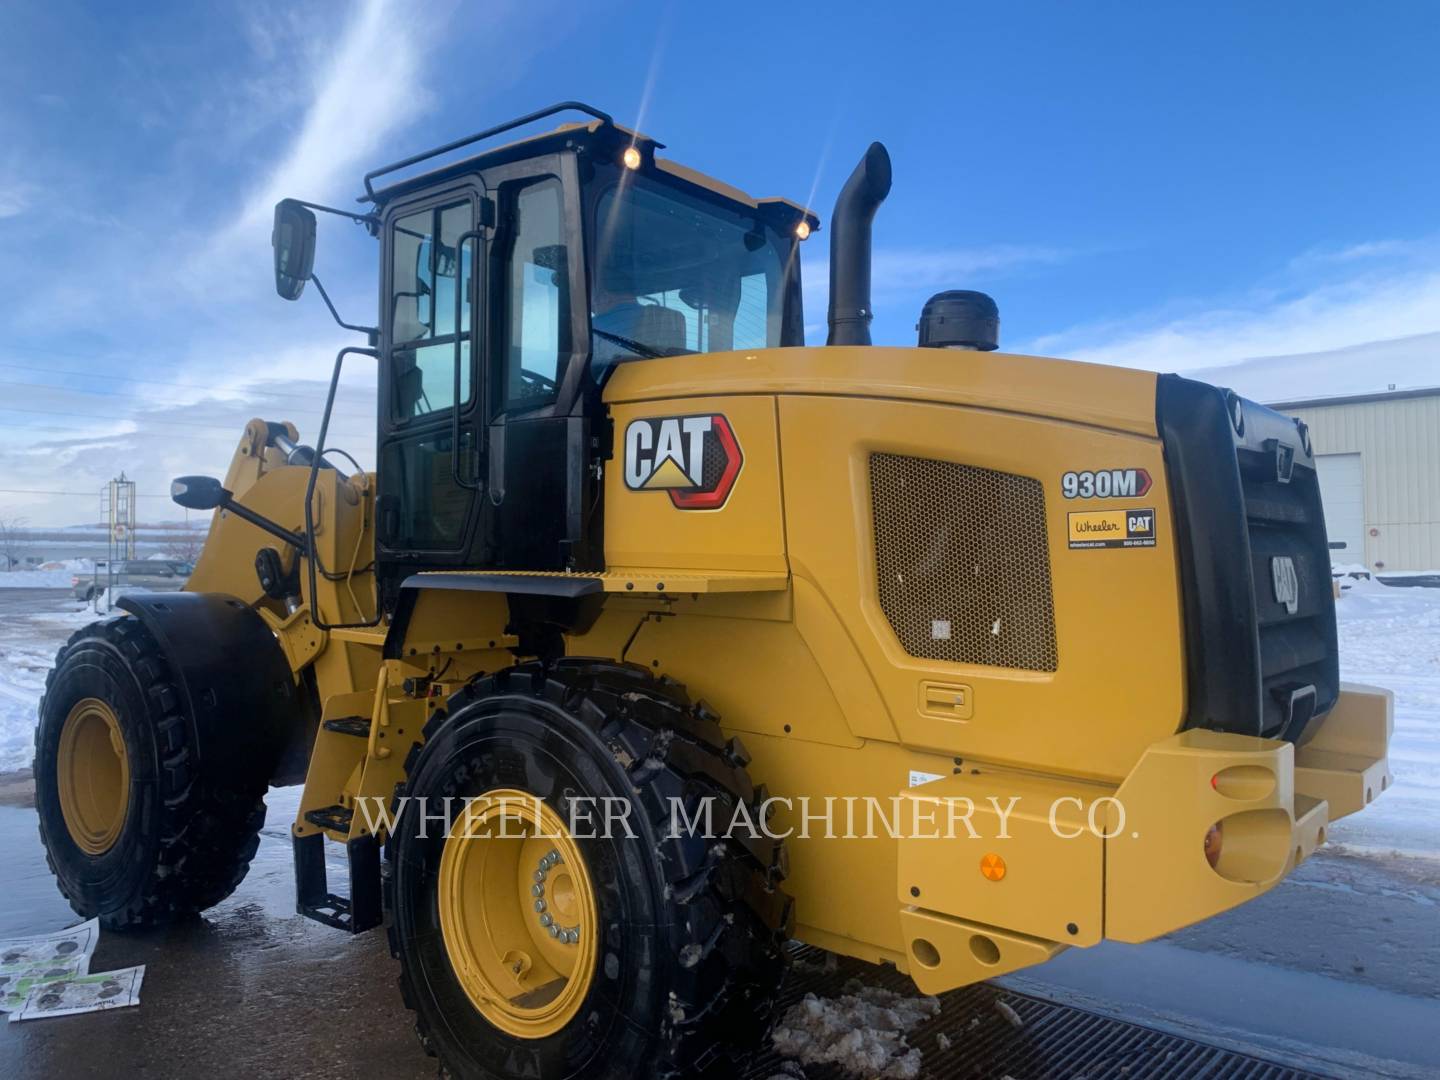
[[994, 655]]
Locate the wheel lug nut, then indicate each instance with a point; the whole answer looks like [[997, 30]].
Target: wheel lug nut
[[537, 890], [546, 921], [554, 930], [539, 905], [539, 876]]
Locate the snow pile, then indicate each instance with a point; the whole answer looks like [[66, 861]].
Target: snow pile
[[1390, 637], [863, 1032], [28, 644], [74, 566]]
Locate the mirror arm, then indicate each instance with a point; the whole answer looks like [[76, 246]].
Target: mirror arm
[[370, 221], [336, 315]]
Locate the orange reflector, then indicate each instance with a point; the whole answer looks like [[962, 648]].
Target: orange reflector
[[992, 866]]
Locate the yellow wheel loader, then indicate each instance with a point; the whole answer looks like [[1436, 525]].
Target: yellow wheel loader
[[657, 638]]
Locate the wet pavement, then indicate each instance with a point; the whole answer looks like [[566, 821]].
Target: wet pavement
[[39, 601], [249, 989], [1335, 971]]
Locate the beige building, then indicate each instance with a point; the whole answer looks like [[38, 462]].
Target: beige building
[[1379, 462]]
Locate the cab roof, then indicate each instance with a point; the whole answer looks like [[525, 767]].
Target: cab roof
[[600, 135]]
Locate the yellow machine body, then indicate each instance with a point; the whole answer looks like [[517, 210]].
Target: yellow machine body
[[1078, 804]]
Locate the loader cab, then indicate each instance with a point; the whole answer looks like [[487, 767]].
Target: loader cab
[[512, 284]]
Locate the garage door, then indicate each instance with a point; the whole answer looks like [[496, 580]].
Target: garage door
[[1342, 486]]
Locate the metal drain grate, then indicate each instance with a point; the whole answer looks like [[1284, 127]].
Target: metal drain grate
[[1055, 1042]]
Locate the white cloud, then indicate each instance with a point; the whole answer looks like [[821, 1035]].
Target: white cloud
[[902, 278], [371, 86], [14, 199], [1398, 364], [917, 269], [1337, 323]]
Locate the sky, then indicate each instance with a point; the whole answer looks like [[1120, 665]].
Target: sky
[[1238, 190]]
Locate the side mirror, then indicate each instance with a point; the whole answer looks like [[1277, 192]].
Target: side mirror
[[294, 242], [199, 492]]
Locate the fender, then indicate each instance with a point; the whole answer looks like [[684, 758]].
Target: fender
[[542, 606], [242, 701]]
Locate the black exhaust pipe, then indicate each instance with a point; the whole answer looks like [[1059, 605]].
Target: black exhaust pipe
[[850, 312]]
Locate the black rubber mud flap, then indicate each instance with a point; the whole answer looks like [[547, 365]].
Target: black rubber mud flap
[[233, 675]]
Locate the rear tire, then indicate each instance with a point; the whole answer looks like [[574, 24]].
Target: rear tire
[[691, 929], [173, 844]]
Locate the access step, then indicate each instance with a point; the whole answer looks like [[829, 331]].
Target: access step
[[335, 818], [359, 726], [361, 910]]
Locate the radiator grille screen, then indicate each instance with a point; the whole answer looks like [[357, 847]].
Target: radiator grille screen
[[963, 562]]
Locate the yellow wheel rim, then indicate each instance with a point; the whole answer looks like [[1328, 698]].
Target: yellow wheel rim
[[93, 776], [517, 913]]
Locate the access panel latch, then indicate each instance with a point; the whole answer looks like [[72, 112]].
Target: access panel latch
[[1297, 707]]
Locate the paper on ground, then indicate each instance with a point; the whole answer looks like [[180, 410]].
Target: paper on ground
[[44, 957], [82, 994]]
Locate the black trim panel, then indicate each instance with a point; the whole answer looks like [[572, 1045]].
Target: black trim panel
[[1260, 659], [1222, 654], [566, 585], [542, 606]]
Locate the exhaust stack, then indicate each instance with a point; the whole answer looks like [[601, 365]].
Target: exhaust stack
[[850, 310]]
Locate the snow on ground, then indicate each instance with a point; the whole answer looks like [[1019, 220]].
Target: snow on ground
[[862, 1031], [28, 644], [1390, 637], [36, 579]]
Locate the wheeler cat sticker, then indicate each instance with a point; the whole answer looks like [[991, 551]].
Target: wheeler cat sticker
[[1105, 484], [695, 459], [1112, 528]]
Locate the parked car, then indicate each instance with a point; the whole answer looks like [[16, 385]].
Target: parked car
[[159, 575]]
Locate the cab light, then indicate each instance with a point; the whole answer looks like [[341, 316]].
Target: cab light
[[631, 158], [803, 230]]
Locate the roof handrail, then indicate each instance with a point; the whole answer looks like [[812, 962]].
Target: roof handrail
[[564, 106]]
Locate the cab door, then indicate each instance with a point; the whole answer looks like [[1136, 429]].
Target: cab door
[[543, 443], [431, 454]]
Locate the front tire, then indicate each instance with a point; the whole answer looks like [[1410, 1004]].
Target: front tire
[[132, 832], [679, 940]]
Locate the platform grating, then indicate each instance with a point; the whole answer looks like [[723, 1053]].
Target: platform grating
[[1054, 1041]]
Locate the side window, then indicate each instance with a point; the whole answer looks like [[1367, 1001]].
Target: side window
[[423, 509], [752, 317], [426, 270], [536, 333]]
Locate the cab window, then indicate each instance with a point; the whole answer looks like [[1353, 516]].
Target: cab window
[[427, 268], [676, 273], [536, 305]]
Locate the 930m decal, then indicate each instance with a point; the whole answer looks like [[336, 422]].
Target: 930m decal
[[694, 458], [1105, 484]]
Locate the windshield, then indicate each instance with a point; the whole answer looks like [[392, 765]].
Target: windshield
[[676, 274]]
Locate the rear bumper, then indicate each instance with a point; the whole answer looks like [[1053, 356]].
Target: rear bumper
[[1085, 862]]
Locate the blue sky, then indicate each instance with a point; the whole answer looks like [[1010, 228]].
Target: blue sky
[[1183, 187]]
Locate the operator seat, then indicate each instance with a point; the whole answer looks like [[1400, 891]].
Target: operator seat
[[659, 328]]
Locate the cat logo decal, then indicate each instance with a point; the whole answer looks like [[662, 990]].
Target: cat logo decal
[[695, 459]]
